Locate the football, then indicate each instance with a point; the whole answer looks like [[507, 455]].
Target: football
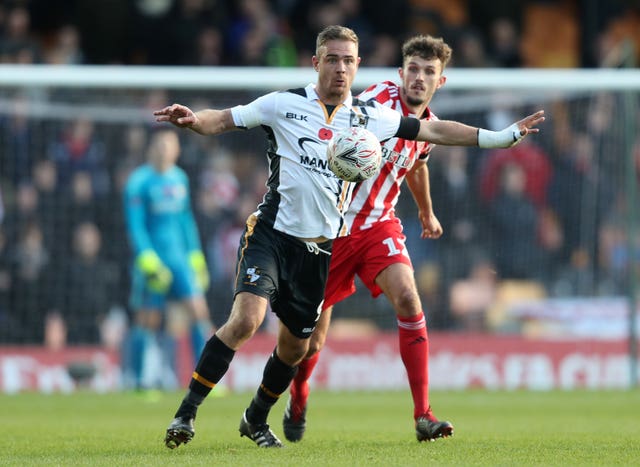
[[354, 154]]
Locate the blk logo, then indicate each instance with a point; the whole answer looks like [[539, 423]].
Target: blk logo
[[294, 116]]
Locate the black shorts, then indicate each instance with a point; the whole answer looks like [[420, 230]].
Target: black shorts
[[280, 267]]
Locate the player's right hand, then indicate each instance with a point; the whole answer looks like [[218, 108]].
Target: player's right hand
[[177, 114], [431, 227], [157, 274]]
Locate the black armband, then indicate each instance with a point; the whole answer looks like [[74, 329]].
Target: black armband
[[409, 128]]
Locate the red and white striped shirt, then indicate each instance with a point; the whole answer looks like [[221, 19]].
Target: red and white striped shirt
[[374, 199]]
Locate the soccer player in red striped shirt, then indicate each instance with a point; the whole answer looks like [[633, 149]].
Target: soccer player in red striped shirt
[[375, 248]]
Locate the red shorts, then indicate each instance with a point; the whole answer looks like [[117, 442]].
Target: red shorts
[[365, 253]]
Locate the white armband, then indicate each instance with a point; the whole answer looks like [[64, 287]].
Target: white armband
[[506, 138]]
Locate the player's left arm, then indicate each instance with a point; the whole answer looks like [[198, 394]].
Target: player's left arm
[[418, 182], [452, 133]]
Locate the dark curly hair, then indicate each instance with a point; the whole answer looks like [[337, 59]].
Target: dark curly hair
[[427, 47]]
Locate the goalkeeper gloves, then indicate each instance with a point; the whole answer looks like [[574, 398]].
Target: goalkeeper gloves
[[157, 274], [199, 265]]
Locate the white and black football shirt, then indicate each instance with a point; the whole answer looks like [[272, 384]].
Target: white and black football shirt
[[305, 199]]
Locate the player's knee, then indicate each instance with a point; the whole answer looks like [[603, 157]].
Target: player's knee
[[292, 352], [298, 355], [317, 340], [315, 346], [239, 330], [406, 302]]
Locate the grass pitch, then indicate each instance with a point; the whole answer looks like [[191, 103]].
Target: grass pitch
[[343, 429]]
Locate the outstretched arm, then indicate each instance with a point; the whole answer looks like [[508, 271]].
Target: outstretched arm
[[205, 122], [451, 133]]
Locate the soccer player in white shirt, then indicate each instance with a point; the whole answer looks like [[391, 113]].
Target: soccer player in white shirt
[[375, 248], [284, 252]]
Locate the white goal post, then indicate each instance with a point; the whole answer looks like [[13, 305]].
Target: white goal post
[[255, 78]]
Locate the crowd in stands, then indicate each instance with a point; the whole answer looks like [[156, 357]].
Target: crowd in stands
[[549, 210], [534, 33]]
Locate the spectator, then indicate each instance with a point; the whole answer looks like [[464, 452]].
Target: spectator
[[533, 160], [514, 226], [66, 48], [384, 52], [166, 33], [81, 204], [133, 145], [615, 261], [209, 47], [307, 19], [86, 286], [22, 212], [16, 132], [78, 148], [190, 18], [471, 297], [470, 50], [356, 20], [504, 43], [392, 22], [579, 195], [564, 195], [51, 209], [255, 37], [30, 282], [576, 277], [18, 45], [45, 179]]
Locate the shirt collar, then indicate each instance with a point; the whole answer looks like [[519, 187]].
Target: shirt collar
[[313, 95]]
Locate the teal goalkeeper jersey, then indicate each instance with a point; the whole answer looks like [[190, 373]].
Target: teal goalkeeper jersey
[[158, 213]]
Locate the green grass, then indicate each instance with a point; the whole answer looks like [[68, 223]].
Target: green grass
[[344, 429]]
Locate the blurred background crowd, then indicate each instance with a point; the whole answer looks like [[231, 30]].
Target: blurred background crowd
[[499, 33], [547, 215]]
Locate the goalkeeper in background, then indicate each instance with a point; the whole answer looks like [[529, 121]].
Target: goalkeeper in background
[[168, 265]]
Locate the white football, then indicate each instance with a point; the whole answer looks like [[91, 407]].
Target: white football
[[354, 154]]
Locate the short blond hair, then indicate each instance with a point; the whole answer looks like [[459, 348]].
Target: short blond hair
[[333, 33]]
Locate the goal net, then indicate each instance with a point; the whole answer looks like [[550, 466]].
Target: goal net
[[549, 219]]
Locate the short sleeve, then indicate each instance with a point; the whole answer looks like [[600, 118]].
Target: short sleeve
[[259, 112]]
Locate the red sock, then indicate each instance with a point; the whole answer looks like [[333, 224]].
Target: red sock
[[414, 350], [299, 388]]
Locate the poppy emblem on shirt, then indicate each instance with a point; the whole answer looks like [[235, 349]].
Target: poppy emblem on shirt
[[325, 134]]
